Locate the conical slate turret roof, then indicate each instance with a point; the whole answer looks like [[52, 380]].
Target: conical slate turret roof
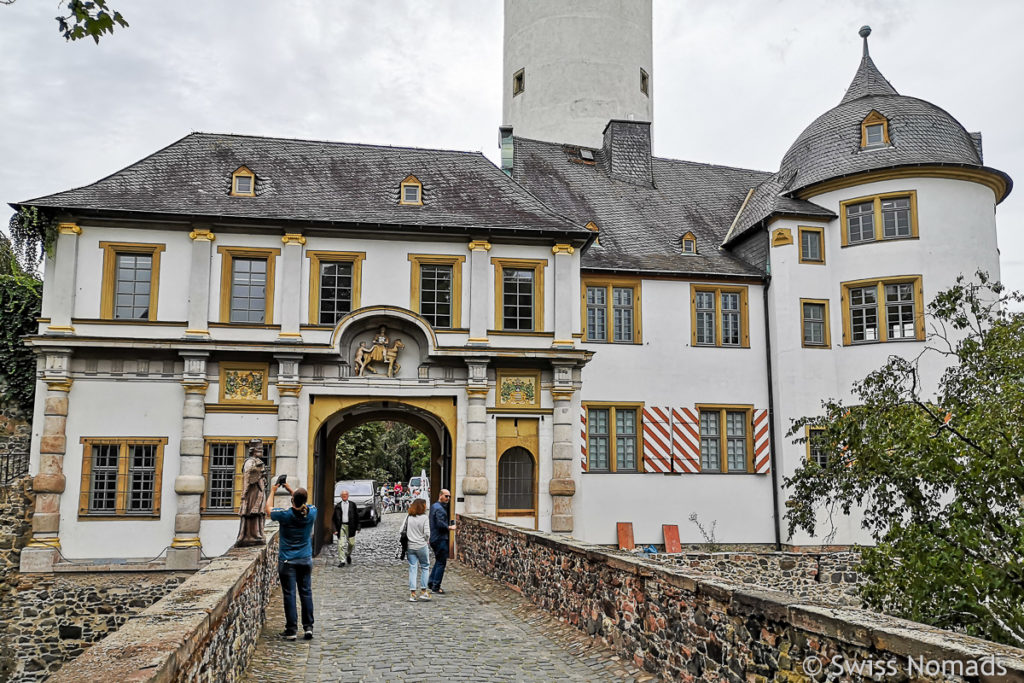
[[868, 80]]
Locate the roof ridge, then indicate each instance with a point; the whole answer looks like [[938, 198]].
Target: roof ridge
[[339, 143]]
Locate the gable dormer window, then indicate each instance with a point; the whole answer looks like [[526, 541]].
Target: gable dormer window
[[689, 243], [411, 192], [874, 131], [243, 183]]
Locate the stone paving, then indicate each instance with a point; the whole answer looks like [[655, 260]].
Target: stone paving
[[366, 630]]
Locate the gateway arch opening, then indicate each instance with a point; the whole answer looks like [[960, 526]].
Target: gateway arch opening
[[391, 423]]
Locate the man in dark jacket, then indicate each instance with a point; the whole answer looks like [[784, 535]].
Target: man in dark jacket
[[346, 525], [439, 528]]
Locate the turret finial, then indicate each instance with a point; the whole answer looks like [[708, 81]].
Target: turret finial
[[864, 32]]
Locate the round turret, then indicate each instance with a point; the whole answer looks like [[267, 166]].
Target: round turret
[[570, 66]]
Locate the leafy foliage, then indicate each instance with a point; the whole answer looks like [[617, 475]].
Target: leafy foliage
[[89, 19], [384, 451], [33, 236], [20, 299], [938, 474]]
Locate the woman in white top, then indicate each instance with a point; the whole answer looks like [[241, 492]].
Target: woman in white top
[[417, 528]]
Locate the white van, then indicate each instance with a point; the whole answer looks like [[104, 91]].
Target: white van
[[419, 487]]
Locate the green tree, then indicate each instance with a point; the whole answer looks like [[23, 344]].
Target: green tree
[[384, 451], [85, 19], [938, 475], [20, 299]]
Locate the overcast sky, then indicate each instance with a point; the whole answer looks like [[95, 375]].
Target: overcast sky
[[735, 81]]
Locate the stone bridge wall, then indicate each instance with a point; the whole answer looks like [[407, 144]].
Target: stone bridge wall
[[685, 625], [204, 630], [831, 577]]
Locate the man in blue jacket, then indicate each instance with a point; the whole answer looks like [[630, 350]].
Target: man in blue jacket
[[439, 528]]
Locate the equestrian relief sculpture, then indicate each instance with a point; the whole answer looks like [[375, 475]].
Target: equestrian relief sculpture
[[379, 352]]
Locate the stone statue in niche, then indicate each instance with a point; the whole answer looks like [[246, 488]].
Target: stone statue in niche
[[254, 497], [379, 352]]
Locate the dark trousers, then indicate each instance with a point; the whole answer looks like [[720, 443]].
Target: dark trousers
[[291, 573], [440, 549]]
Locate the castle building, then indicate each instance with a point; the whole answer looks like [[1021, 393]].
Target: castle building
[[587, 335]]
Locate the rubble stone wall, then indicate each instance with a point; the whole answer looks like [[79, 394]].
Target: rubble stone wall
[[206, 629], [685, 625], [831, 578]]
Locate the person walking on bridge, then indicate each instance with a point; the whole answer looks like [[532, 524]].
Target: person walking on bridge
[[295, 557], [417, 530], [439, 528]]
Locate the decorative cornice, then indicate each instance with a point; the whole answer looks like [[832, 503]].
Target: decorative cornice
[[562, 394], [61, 329], [202, 234], [562, 249], [59, 383], [69, 229], [196, 388], [186, 542], [204, 333], [476, 392], [293, 238], [289, 389], [990, 179], [479, 245]]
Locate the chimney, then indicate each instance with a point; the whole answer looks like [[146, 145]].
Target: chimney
[[507, 148], [627, 151], [976, 139]]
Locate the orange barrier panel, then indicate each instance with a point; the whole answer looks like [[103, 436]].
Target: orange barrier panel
[[671, 533], [625, 530]]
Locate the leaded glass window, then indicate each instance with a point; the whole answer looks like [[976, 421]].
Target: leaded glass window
[[515, 480], [860, 222], [706, 325], [597, 438], [335, 291], [248, 290], [436, 294], [517, 298], [864, 314], [131, 289]]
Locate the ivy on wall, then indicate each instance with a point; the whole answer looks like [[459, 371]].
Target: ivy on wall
[[20, 299]]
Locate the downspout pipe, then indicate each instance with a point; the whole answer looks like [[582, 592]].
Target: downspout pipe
[[771, 414]]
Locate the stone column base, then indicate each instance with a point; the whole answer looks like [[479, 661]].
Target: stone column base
[[561, 523], [183, 558], [474, 504], [38, 560]]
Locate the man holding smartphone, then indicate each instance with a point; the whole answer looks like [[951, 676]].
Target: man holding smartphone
[[295, 556]]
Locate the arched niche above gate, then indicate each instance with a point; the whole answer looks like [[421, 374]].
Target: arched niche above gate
[[384, 337]]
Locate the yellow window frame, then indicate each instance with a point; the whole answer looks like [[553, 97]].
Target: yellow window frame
[[718, 290], [608, 283], [883, 327], [316, 257], [241, 444], [689, 239], [419, 260], [411, 181], [827, 323], [537, 266], [228, 256], [613, 456], [877, 216], [108, 294], [723, 456], [243, 172], [821, 237], [123, 485], [809, 433], [873, 119]]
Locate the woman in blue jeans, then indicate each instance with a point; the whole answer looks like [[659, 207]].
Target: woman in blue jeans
[[418, 530], [295, 557]]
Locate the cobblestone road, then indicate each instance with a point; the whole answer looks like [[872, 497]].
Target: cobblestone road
[[366, 630]]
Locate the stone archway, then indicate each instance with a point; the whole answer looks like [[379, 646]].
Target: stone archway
[[331, 416]]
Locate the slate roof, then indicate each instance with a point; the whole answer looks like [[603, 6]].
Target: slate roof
[[919, 132], [305, 180], [768, 200], [641, 226]]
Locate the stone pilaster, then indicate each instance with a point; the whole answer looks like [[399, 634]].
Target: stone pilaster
[[42, 551], [199, 283], [62, 283], [480, 293], [286, 454], [190, 484], [291, 287], [562, 486], [564, 299], [474, 484]]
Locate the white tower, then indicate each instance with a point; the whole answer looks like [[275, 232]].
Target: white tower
[[571, 66]]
